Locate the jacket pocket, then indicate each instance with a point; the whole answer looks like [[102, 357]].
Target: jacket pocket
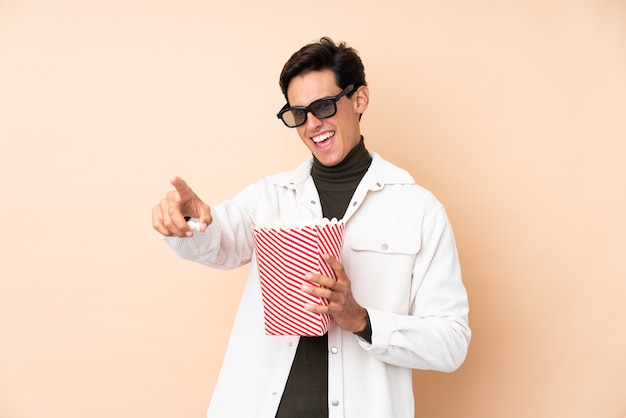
[[381, 268]]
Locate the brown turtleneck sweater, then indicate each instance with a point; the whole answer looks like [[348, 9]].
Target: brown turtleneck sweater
[[306, 393]]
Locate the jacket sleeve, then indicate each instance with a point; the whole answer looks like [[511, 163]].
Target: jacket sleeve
[[435, 334], [227, 243]]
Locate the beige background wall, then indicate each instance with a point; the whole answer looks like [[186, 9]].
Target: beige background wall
[[511, 112]]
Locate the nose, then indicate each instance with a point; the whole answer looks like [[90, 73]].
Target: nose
[[311, 121]]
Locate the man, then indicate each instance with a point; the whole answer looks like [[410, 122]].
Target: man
[[398, 301]]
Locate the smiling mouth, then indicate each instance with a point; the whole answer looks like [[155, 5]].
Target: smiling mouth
[[323, 137]]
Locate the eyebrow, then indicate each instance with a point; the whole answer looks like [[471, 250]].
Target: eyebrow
[[328, 96]]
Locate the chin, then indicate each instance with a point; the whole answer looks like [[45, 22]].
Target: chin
[[329, 161]]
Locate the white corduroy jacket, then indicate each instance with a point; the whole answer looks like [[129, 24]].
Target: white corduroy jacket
[[400, 255]]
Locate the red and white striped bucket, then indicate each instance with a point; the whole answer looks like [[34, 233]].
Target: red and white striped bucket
[[284, 256]]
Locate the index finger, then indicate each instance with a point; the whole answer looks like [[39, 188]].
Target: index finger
[[334, 264], [180, 184]]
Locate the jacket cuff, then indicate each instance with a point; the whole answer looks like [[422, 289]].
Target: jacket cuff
[[366, 333]]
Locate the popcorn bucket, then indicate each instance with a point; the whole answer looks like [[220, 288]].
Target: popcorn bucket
[[284, 256]]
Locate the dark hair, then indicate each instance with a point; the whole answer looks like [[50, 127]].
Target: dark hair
[[325, 54]]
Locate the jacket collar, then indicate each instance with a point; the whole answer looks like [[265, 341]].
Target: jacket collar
[[380, 173]]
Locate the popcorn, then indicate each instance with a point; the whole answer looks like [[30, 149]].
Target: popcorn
[[194, 224]]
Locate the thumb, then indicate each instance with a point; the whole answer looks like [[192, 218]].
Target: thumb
[[204, 217]]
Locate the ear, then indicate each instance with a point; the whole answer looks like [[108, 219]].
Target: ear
[[361, 99]]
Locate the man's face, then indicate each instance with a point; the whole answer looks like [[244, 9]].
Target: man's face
[[330, 139]]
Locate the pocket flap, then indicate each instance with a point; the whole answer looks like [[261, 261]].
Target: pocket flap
[[389, 241]]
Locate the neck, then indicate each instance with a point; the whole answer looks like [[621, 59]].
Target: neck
[[336, 184], [354, 164]]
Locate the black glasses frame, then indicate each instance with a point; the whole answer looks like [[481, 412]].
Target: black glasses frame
[[306, 109]]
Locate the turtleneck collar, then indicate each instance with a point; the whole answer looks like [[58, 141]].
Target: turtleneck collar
[[336, 185], [348, 171]]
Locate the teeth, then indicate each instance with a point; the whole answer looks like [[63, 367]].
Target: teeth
[[323, 137]]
